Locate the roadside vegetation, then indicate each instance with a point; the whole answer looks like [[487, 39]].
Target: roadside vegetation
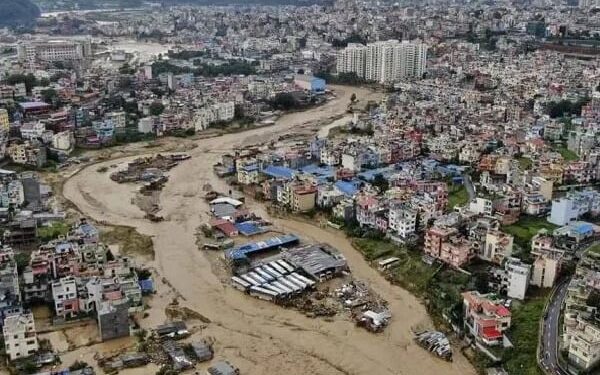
[[524, 331]]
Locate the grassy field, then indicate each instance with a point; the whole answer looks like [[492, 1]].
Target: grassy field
[[523, 333], [439, 287], [53, 231], [527, 227], [594, 249], [457, 196], [130, 241], [525, 163], [567, 154]]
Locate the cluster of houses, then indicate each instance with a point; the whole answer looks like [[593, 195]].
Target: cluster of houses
[[81, 278]]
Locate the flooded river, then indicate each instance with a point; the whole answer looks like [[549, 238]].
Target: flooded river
[[260, 337]]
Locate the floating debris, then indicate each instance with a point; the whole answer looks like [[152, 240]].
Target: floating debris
[[436, 342]]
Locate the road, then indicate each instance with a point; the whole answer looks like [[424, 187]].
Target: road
[[469, 186], [550, 337]]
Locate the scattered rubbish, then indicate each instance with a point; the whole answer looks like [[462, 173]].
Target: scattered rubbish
[[436, 342]]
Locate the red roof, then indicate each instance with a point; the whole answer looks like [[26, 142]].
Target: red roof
[[502, 311], [491, 333], [227, 228]]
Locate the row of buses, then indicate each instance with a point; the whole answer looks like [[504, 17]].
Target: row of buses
[[273, 281]]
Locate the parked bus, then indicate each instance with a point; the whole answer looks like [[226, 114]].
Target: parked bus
[[249, 279], [278, 268], [240, 284], [262, 293], [286, 265]]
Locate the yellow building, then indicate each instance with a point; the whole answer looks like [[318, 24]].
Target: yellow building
[[4, 121]]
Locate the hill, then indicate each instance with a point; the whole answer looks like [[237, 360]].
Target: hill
[[18, 12]]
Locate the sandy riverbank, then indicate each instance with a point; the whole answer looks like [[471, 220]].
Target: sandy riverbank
[[258, 336]]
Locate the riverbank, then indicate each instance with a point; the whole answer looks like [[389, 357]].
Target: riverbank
[[257, 336]]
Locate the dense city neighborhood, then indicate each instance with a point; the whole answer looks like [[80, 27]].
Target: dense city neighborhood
[[323, 187]]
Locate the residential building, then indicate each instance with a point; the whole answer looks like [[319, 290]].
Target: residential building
[[573, 206], [385, 61], [481, 206], [402, 220], [485, 318], [584, 344], [113, 319], [546, 269], [20, 338], [64, 294], [515, 278], [4, 120], [498, 245]]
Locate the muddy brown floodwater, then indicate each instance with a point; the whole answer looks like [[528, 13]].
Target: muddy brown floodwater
[[260, 337]]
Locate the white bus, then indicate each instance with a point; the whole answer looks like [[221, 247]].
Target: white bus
[[262, 293], [240, 284]]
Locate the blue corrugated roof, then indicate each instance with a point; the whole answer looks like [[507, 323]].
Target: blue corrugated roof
[[279, 172], [348, 188], [242, 252]]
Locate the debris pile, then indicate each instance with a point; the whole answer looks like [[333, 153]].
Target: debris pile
[[149, 169], [366, 307], [436, 342]]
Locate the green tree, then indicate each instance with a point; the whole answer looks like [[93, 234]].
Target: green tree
[[156, 108], [381, 183]]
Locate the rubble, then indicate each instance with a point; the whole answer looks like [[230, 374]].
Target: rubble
[[436, 342], [149, 169]]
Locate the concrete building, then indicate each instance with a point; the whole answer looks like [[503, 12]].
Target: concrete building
[[4, 120], [584, 344], [546, 269], [485, 318], [481, 206], [385, 61], [119, 119], [146, 125], [352, 59], [54, 50], [498, 245], [573, 206], [63, 141], [303, 197], [113, 319], [20, 338], [515, 278], [64, 294], [402, 220], [310, 83]]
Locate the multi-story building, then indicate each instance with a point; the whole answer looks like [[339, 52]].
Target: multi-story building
[[573, 206], [352, 59], [402, 220], [485, 318], [54, 50], [584, 344], [4, 120], [385, 61], [446, 245], [119, 119], [20, 338], [514, 278], [64, 294], [498, 245]]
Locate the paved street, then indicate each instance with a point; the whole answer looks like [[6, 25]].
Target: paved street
[[549, 348]]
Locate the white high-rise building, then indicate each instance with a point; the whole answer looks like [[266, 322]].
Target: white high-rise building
[[352, 59], [384, 62]]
